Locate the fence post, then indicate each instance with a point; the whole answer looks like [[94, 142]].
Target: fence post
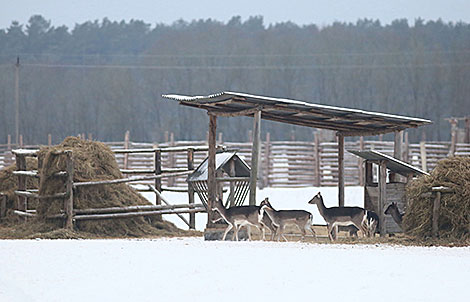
[[453, 143], [382, 195], [126, 146], [435, 214], [49, 139], [192, 216], [68, 202], [267, 158], [340, 138], [316, 151], [361, 162], [21, 166], [422, 149], [21, 141], [158, 171]]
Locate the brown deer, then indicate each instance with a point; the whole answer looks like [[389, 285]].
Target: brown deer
[[236, 217], [362, 219], [392, 209], [302, 219]]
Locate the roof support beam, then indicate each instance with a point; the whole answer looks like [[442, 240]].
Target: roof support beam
[[255, 152], [211, 181], [340, 170], [245, 112]]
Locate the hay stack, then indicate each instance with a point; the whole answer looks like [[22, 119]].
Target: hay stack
[[93, 161], [454, 219]]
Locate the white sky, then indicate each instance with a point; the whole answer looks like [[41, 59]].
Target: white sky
[[320, 12]]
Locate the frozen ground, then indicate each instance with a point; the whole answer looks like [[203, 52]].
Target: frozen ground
[[191, 269], [280, 198]]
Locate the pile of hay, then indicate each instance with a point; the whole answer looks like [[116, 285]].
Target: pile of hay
[[92, 161], [454, 216]]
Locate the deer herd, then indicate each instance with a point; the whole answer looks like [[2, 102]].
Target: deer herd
[[265, 216]]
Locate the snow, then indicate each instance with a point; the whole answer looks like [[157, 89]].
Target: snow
[[280, 198], [192, 269]]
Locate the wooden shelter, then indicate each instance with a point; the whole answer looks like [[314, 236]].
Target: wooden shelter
[[345, 121], [229, 167], [378, 195]]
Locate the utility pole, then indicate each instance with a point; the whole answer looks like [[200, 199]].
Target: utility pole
[[17, 100]]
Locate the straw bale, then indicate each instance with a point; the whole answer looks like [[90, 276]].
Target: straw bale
[[454, 216]]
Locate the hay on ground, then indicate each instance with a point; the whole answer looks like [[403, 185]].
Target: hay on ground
[[93, 161], [454, 214]]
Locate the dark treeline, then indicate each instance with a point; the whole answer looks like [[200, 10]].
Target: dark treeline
[[106, 77]]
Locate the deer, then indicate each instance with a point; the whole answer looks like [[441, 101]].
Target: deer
[[239, 216], [281, 218], [392, 209], [362, 219]]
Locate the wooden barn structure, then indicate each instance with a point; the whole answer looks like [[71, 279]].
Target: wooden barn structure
[[345, 121], [378, 195], [229, 167]]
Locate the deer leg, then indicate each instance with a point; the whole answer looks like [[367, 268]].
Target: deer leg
[[248, 229], [329, 228], [230, 226]]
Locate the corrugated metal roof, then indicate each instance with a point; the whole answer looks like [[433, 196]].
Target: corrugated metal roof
[[221, 159], [393, 164], [344, 120]]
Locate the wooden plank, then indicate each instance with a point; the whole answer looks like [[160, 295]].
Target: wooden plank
[[435, 214], [68, 202], [137, 214], [382, 196], [255, 157], [211, 181], [340, 170], [130, 179], [190, 166]]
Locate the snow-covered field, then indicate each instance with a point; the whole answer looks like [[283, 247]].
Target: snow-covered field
[[192, 269], [280, 198]]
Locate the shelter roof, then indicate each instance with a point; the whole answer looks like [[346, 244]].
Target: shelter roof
[[349, 122], [393, 164], [221, 163]]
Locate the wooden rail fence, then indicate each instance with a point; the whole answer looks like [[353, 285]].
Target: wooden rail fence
[[282, 164]]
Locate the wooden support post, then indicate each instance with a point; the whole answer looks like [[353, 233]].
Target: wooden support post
[[158, 170], [192, 216], [424, 161], [9, 142], [21, 141], [255, 157], [21, 166], [406, 151], [90, 136], [382, 195], [211, 181], [49, 139], [435, 214], [316, 151], [171, 180], [126, 146], [340, 170], [17, 100], [232, 184], [267, 159], [397, 153], [368, 177], [361, 162], [467, 130], [453, 143], [68, 202]]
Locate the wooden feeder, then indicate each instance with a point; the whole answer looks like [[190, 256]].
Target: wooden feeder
[[378, 195], [229, 168]]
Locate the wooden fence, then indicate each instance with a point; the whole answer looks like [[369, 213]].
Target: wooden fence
[[282, 163]]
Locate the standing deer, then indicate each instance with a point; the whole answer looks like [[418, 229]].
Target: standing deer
[[281, 218], [364, 220], [392, 209], [236, 217]]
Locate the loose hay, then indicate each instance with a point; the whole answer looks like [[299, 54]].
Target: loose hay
[[454, 213], [93, 161]]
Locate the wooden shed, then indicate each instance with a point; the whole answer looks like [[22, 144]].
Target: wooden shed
[[229, 167], [378, 195], [345, 121]]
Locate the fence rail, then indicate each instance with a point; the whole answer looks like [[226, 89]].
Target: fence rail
[[282, 164]]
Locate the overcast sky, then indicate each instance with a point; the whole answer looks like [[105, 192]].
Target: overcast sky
[[320, 12]]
